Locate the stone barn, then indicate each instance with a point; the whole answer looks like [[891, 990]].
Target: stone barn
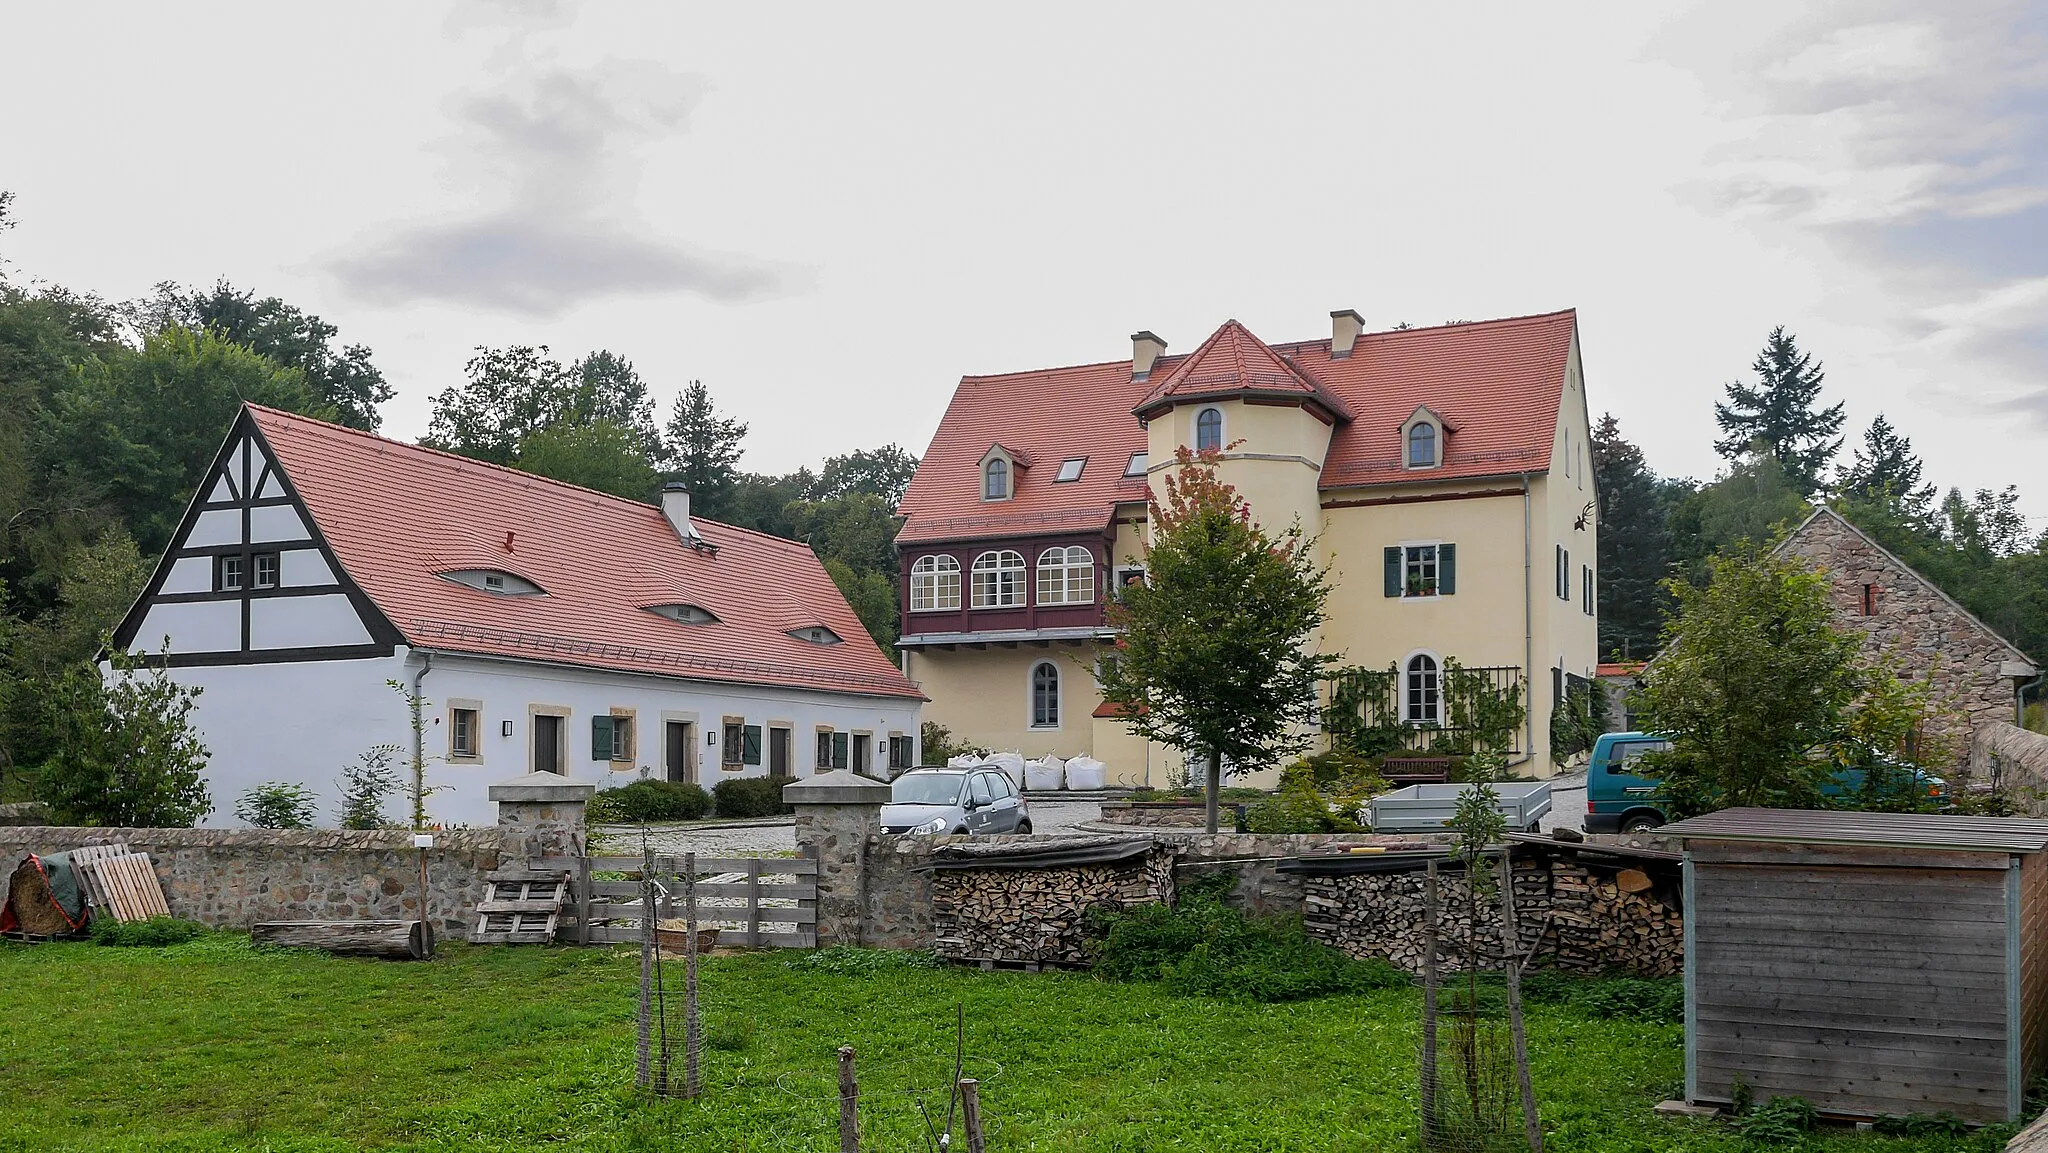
[[1976, 673]]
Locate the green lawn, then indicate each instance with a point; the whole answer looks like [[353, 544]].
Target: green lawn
[[212, 1046]]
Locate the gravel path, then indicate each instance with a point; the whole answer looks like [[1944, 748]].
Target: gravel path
[[769, 840]]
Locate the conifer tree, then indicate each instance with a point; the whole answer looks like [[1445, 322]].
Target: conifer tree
[[1778, 414], [706, 449], [1884, 478], [1635, 544]]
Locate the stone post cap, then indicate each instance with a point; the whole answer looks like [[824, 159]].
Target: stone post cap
[[544, 787], [838, 787]]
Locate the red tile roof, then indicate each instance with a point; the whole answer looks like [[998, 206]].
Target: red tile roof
[[1619, 668], [397, 515], [1497, 383]]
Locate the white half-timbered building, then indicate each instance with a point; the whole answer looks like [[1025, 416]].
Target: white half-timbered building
[[549, 628]]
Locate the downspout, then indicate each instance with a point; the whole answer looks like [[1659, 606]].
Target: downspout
[[419, 739], [1528, 633]]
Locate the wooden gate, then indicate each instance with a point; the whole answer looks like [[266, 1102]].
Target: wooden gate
[[756, 902]]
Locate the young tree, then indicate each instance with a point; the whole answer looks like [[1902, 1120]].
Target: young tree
[[343, 379], [1753, 678], [129, 755], [1778, 413], [363, 786], [1215, 653], [1635, 543], [276, 805], [705, 448]]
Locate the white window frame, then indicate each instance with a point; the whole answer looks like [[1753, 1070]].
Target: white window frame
[[1078, 464], [1031, 697], [998, 568], [1437, 673], [1139, 464], [475, 709], [1073, 579], [1222, 426], [221, 583], [928, 584], [1435, 564], [1008, 469]]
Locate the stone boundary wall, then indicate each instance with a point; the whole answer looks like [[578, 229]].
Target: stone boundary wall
[[2015, 760], [1158, 814], [233, 878], [1575, 917]]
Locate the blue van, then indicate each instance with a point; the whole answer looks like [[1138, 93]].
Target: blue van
[[1619, 800]]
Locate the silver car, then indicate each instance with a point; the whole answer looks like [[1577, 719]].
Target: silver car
[[980, 802]]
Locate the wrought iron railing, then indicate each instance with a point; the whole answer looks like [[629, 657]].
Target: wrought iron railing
[[1465, 709]]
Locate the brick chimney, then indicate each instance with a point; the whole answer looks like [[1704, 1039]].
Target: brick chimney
[[1345, 325], [1145, 348]]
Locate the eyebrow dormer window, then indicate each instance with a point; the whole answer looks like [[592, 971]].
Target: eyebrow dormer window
[[1422, 445], [686, 613], [995, 480], [495, 582], [817, 635]]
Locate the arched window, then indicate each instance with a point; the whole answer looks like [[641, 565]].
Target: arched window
[[1421, 702], [995, 480], [1045, 695], [1422, 445], [1209, 430], [1066, 576], [999, 580], [934, 584]]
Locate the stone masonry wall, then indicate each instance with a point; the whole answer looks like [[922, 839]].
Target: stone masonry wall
[[2016, 761], [233, 878], [1914, 624]]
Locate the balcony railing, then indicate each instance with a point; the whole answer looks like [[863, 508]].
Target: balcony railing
[[1462, 711]]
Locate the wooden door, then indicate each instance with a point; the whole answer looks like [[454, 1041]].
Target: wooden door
[[676, 752], [778, 753], [547, 744]]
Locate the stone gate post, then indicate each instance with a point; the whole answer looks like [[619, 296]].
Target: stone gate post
[[542, 814], [836, 812]]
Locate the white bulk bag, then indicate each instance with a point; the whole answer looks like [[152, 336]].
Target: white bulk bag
[[1047, 772], [1085, 773], [1012, 765], [964, 761]]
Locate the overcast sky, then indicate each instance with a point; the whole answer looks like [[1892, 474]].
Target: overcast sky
[[830, 213]]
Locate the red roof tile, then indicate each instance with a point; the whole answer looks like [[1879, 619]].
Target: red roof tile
[[397, 515], [1497, 383], [1619, 668]]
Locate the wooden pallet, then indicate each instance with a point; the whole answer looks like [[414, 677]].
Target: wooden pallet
[[88, 879], [128, 885], [520, 907]]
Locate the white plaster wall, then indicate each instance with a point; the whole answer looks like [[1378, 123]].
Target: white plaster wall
[[193, 626], [304, 721], [302, 566], [305, 622], [215, 527], [192, 574], [270, 522]]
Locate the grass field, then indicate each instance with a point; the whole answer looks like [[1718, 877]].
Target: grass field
[[211, 1045]]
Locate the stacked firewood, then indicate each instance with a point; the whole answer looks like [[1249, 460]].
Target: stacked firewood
[[1566, 914], [1039, 915]]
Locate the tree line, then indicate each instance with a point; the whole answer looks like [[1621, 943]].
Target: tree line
[[114, 409], [1783, 446]]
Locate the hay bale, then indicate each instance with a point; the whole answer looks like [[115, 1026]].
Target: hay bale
[[34, 906]]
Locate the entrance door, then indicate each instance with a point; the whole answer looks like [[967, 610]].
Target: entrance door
[[778, 753], [676, 752], [547, 744]]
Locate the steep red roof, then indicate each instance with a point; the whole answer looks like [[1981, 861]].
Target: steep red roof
[[1496, 383], [397, 515], [1233, 362]]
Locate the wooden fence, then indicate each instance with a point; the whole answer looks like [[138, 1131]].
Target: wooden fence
[[756, 902]]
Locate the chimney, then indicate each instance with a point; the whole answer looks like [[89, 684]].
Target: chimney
[[1345, 325], [675, 505], [1145, 348]]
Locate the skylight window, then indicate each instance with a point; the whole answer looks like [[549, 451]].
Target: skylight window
[[686, 613], [1070, 468], [1139, 463], [497, 582]]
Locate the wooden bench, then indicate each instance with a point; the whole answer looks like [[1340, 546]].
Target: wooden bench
[[1416, 770]]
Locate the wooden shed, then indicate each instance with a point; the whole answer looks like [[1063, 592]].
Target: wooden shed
[[1868, 962]]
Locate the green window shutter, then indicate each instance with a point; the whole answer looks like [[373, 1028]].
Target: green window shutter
[[750, 748], [1393, 566], [600, 738], [839, 745], [1446, 569]]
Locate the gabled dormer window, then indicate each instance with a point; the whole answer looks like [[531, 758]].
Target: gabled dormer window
[[1422, 440], [688, 614], [494, 581], [995, 479]]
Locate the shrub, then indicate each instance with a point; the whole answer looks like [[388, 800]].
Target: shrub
[[153, 933], [1779, 1121], [276, 805], [1326, 793], [750, 797], [938, 744], [364, 785], [1630, 998], [1203, 947], [650, 800]]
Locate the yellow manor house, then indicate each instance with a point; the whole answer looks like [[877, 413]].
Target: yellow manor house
[[1445, 471]]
